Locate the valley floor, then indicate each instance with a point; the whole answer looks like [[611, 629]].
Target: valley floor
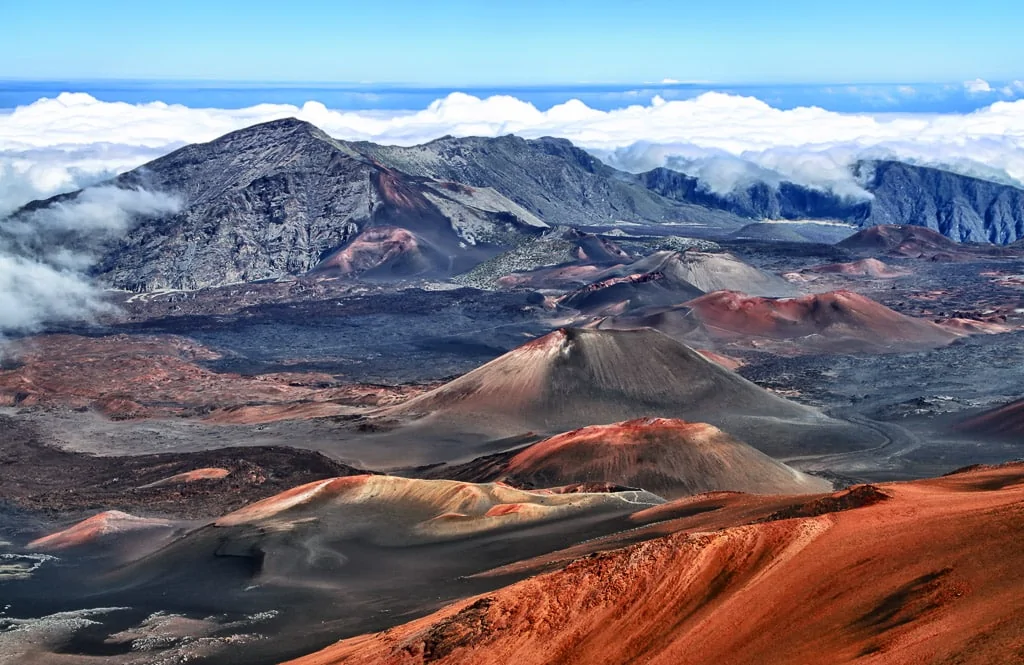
[[189, 409]]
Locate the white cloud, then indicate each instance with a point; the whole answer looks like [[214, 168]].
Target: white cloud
[[668, 81], [44, 171], [977, 87], [1013, 88], [44, 255], [56, 144], [33, 293]]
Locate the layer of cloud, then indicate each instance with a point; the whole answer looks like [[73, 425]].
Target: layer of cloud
[[58, 144], [45, 255]]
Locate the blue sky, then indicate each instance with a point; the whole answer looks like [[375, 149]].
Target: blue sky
[[463, 42]]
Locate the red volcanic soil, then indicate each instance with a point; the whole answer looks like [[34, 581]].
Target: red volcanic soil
[[394, 511], [91, 531], [861, 268], [138, 376], [612, 281], [919, 572], [841, 320], [377, 247], [670, 458], [397, 191], [209, 473], [1007, 420], [916, 242], [725, 361], [551, 278], [913, 241], [711, 511]]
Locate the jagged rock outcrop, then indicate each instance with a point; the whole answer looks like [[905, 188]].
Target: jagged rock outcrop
[[960, 207]]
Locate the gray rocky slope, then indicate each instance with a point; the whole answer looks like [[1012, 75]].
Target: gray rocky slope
[[960, 207], [553, 179], [279, 198]]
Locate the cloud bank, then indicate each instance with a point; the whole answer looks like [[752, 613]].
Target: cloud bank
[[62, 143], [44, 255]]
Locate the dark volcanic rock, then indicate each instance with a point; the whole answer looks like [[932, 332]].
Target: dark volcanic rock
[[40, 477]]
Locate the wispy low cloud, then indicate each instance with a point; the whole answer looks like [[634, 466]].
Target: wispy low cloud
[[45, 255], [33, 293], [38, 173]]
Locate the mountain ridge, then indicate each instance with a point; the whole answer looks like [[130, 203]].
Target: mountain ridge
[[549, 176], [962, 208], [283, 198], [277, 199]]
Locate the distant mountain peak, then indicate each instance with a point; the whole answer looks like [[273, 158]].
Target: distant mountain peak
[[279, 198], [282, 128]]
